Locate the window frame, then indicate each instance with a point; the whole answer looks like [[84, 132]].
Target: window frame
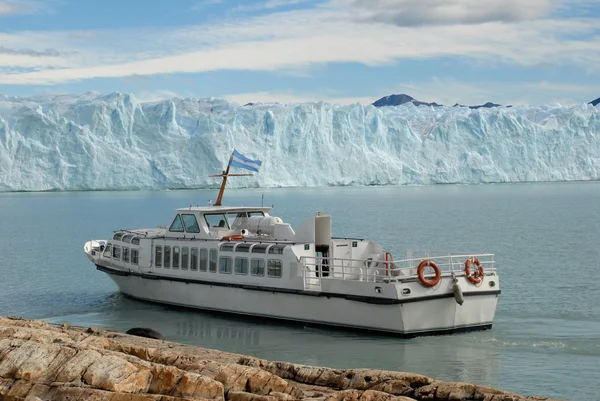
[[177, 218], [280, 268], [158, 256], [252, 260]]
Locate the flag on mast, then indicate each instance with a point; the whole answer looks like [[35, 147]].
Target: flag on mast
[[239, 160]]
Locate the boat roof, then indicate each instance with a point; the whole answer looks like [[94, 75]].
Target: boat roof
[[223, 209]]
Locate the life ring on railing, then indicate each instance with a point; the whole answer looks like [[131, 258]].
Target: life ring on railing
[[236, 237], [477, 275], [420, 272]]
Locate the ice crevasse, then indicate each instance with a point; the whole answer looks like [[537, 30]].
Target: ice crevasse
[[115, 142]]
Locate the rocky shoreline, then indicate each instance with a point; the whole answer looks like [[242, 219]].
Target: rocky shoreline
[[41, 362]]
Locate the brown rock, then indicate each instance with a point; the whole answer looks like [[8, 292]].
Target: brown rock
[[74, 363]]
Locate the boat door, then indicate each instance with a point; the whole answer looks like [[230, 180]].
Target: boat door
[[322, 265], [342, 253]]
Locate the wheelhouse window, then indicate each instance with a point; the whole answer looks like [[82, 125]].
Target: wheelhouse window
[[241, 266], [259, 248], [274, 268], [167, 257], [126, 255], [185, 257], [276, 249], [134, 256], [203, 259], [176, 225], [213, 261], [116, 252], [225, 264], [107, 251], [176, 254], [190, 223], [257, 267], [194, 259], [256, 213], [216, 220], [158, 256], [243, 247]]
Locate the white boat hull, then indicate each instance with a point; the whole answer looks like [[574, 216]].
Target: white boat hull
[[431, 315]]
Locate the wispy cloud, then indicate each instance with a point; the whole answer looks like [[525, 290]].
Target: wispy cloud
[[437, 12], [292, 40], [12, 7], [283, 97]]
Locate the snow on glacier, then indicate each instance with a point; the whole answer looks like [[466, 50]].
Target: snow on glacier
[[102, 142]]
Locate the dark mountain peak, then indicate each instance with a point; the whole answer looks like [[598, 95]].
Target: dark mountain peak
[[486, 105], [393, 100], [595, 102]]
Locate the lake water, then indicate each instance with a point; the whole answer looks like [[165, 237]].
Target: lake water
[[546, 335]]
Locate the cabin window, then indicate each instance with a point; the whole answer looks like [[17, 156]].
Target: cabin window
[[118, 236], [213, 261], [260, 248], [175, 263], [274, 268], [276, 249], [227, 247], [158, 256], [190, 222], [237, 220], [241, 265], [167, 257], [225, 264], [126, 255], [257, 267], [216, 220], [203, 259], [176, 225], [135, 241], [107, 251], [194, 259], [134, 256], [250, 214], [127, 238], [243, 247], [185, 256], [117, 252]]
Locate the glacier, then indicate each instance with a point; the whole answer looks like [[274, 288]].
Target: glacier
[[93, 141]]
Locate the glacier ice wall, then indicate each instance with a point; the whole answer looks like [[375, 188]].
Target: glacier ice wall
[[93, 141]]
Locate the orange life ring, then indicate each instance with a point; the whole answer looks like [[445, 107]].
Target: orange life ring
[[477, 275], [422, 279], [233, 238]]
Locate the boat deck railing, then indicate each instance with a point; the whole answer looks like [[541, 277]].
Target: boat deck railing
[[325, 268]]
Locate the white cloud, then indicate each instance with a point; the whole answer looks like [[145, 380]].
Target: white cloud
[[12, 7], [282, 97], [297, 39], [434, 12]]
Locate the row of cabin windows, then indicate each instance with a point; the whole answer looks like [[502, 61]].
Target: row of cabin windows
[[206, 260], [124, 237], [119, 253], [187, 222]]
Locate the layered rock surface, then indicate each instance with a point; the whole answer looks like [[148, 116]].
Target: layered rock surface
[[39, 361]]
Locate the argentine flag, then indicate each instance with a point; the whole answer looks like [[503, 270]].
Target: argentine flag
[[241, 161]]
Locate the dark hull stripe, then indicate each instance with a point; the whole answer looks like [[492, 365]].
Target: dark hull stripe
[[358, 298]]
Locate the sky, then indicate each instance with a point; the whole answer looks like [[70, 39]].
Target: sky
[[338, 51]]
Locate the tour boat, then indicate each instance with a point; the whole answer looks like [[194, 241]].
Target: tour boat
[[242, 260]]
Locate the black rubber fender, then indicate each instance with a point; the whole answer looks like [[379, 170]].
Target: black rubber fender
[[145, 332]]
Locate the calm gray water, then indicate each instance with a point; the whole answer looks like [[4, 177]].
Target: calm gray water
[[546, 336]]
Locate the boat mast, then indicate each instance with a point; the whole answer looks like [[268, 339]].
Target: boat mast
[[225, 174]]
